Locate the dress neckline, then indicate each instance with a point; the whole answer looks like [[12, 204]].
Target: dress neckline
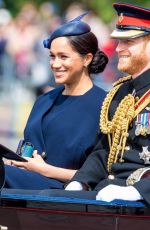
[[74, 96]]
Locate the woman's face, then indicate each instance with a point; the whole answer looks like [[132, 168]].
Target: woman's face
[[66, 63]]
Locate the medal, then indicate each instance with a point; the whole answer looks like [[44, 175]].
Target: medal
[[143, 131], [142, 124], [148, 130], [138, 124], [137, 130], [145, 155]]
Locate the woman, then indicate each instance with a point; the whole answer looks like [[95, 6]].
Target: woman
[[63, 122]]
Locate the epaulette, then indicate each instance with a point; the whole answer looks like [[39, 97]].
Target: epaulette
[[122, 80]]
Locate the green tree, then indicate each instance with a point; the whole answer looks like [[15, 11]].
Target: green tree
[[102, 7], [105, 10]]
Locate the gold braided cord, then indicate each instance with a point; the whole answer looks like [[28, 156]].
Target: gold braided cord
[[105, 125], [122, 80], [122, 118], [117, 128]]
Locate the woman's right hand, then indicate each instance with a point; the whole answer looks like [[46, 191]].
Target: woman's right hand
[[8, 162]]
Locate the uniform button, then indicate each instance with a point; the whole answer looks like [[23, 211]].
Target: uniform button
[[121, 160], [136, 98], [111, 177], [127, 148], [148, 108]]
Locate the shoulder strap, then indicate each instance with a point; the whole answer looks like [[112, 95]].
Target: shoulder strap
[[122, 80]]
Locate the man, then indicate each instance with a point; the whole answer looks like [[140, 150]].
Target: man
[[119, 166]]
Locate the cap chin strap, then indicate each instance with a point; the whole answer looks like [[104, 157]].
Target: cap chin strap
[[127, 27]]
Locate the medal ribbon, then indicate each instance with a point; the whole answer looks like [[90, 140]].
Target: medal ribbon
[[142, 103]]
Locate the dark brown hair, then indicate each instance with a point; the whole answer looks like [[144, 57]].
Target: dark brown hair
[[88, 43]]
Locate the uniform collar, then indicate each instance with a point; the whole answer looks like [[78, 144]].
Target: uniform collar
[[142, 83]]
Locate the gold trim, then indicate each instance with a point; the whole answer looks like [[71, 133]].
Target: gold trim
[[142, 105], [117, 128], [136, 176]]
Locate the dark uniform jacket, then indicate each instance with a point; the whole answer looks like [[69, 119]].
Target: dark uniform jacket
[[94, 171]]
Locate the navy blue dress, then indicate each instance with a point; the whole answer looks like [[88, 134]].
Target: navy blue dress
[[65, 128]]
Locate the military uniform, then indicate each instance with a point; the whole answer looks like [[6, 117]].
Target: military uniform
[[122, 156], [94, 172]]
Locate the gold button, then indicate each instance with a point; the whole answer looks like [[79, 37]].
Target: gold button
[[136, 98]]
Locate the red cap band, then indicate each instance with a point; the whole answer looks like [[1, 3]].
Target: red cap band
[[130, 21]]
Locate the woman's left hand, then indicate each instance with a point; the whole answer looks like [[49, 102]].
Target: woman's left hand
[[36, 164]]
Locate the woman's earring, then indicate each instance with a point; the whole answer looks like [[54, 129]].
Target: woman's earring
[[86, 65]]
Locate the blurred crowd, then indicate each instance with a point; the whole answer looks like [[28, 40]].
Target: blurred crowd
[[24, 63]]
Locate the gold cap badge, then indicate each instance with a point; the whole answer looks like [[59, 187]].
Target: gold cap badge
[[121, 17]]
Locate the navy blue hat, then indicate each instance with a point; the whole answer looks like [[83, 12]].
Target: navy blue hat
[[71, 28], [133, 21]]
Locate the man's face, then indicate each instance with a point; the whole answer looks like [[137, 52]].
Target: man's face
[[134, 55]]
